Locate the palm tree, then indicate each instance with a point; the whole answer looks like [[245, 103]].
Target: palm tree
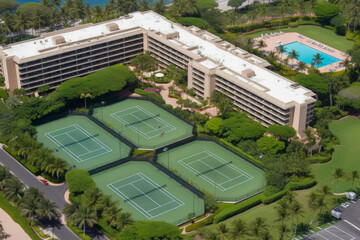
[[58, 167], [143, 5], [84, 216], [338, 176], [13, 190], [296, 210], [273, 57], [311, 202], [98, 14], [302, 66], [222, 229], [85, 96], [355, 177], [78, 10], [31, 209], [124, 219], [346, 63], [301, 5], [111, 215], [108, 10], [159, 7], [294, 55], [91, 197], [282, 210], [21, 23], [317, 60], [325, 190], [104, 202], [262, 12], [8, 23], [283, 231], [257, 227], [262, 44], [210, 235], [184, 8], [69, 211], [48, 209], [310, 140], [33, 192], [281, 49], [238, 229]]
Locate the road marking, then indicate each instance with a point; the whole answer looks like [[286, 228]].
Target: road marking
[[352, 225]]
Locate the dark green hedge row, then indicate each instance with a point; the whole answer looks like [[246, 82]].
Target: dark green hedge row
[[290, 186], [78, 232], [268, 24], [237, 208], [192, 21], [320, 158], [200, 224], [31, 168], [154, 96]]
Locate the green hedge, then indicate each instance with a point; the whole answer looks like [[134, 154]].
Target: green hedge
[[154, 96], [3, 94], [200, 224], [107, 230], [78, 232], [290, 186], [237, 208], [318, 158], [267, 24], [33, 169], [15, 215]]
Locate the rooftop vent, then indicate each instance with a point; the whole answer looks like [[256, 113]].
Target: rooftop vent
[[58, 39], [112, 27], [248, 73]]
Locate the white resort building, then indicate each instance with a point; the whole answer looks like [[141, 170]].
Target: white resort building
[[213, 64]]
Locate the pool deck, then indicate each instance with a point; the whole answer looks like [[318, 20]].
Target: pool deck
[[274, 41]]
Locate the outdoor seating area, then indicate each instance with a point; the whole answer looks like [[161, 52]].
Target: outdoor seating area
[[301, 43]]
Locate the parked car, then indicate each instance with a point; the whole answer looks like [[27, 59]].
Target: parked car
[[44, 181], [345, 205]]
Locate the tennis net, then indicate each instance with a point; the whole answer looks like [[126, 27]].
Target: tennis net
[[78, 141], [213, 169], [142, 120], [144, 193]]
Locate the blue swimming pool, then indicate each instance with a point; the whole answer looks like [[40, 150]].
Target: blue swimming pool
[[306, 54]]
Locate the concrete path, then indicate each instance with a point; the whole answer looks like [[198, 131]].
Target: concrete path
[[12, 229]]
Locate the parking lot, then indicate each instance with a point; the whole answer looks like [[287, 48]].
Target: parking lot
[[348, 229]]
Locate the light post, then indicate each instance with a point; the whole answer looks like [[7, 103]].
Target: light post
[[102, 116], [164, 150]]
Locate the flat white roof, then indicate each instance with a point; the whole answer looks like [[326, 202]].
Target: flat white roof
[[280, 87]]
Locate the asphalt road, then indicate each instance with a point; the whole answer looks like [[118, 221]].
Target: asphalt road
[[55, 194]]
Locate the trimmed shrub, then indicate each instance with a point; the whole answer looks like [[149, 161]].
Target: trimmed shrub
[[200, 224], [79, 180], [154, 96], [78, 232], [320, 158], [237, 208], [293, 24]]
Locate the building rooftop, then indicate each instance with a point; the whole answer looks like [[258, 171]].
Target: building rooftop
[[202, 43]]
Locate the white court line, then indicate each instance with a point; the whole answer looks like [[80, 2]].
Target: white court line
[[218, 185], [146, 213], [144, 194], [60, 134], [213, 169], [87, 134], [144, 134]]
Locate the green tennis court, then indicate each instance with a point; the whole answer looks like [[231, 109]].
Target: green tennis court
[[148, 193], [82, 143], [143, 123], [215, 169]]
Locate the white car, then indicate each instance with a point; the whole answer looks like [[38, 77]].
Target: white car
[[345, 205]]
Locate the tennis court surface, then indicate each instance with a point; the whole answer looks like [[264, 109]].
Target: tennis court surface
[[145, 195], [148, 193], [143, 123], [82, 143], [214, 168]]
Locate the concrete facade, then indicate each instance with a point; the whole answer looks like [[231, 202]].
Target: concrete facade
[[212, 64]]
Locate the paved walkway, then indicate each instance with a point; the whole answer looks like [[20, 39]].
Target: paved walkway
[[11, 228]]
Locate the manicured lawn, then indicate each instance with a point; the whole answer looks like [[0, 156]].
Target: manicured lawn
[[346, 155], [319, 34]]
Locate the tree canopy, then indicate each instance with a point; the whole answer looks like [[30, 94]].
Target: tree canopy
[[213, 125], [145, 62], [239, 126], [270, 145], [235, 3], [204, 5], [79, 180], [7, 5], [315, 82], [326, 11], [284, 132], [113, 78]]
